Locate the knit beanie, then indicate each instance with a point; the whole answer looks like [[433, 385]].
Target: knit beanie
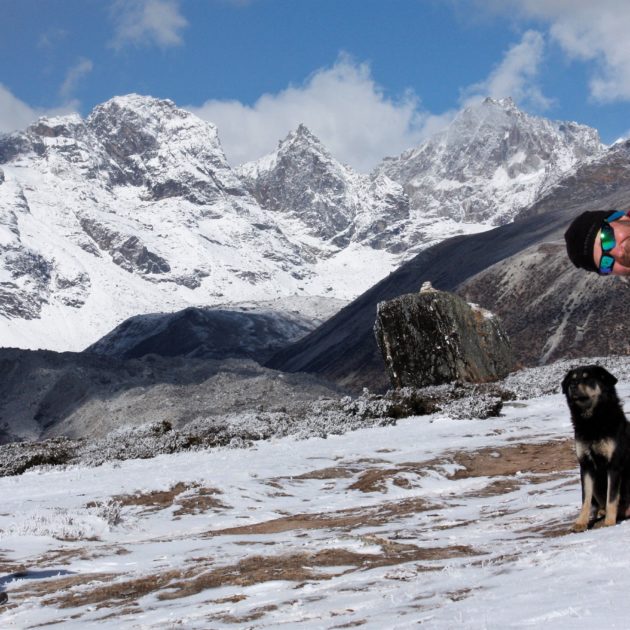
[[580, 238]]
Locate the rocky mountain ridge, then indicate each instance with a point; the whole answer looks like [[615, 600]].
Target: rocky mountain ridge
[[135, 209], [490, 163], [302, 182]]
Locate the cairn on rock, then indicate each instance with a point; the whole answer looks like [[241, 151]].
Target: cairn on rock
[[434, 337]]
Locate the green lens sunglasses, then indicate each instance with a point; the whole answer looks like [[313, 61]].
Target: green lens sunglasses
[[607, 240]]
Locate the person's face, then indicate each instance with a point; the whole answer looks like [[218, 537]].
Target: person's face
[[621, 251]]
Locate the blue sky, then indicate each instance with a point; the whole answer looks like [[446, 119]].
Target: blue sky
[[369, 77]]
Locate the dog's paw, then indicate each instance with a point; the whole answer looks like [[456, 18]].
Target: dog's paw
[[580, 526]]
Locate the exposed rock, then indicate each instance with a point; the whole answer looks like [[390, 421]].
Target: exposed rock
[[29, 287], [435, 337], [127, 251]]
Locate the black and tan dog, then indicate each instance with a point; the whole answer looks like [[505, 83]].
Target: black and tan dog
[[602, 444]]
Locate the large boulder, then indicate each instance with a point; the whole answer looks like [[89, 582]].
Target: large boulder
[[434, 337]]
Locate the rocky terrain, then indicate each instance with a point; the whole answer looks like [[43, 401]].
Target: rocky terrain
[[45, 393], [547, 306]]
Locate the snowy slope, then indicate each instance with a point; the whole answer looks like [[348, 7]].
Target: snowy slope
[[436, 521]]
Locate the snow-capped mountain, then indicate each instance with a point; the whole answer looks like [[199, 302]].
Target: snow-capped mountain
[[304, 186], [135, 209], [491, 162], [310, 192]]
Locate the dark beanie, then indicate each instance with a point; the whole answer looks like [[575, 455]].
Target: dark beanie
[[580, 238]]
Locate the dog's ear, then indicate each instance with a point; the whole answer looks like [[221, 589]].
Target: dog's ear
[[565, 381], [605, 376]]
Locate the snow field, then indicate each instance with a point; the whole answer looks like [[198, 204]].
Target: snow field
[[435, 521]]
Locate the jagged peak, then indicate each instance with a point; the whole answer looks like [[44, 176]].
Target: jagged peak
[[55, 126], [506, 103], [146, 112], [135, 101], [300, 136], [502, 111], [136, 122]]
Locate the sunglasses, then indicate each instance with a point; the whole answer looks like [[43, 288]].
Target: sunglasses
[[607, 240]]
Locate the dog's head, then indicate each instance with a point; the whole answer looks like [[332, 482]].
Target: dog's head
[[586, 386]]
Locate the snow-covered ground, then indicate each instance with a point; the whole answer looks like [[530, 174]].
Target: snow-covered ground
[[435, 521]]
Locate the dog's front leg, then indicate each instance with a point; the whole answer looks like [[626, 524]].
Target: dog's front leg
[[588, 484], [612, 498]]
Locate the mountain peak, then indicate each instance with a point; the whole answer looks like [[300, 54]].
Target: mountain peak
[[506, 103], [146, 114], [56, 126], [135, 102], [300, 137], [490, 162]]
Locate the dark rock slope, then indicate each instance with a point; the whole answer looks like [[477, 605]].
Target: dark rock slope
[[344, 348], [203, 333], [46, 394]]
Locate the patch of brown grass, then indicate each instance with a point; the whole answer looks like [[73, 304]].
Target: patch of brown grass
[[342, 519], [253, 615], [42, 588], [335, 472], [296, 567], [65, 556], [549, 457], [201, 500], [540, 459], [376, 479], [351, 624]]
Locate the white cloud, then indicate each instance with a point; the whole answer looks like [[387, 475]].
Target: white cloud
[[52, 37], [147, 22], [16, 114], [82, 68], [515, 75], [595, 32], [342, 105], [350, 113]]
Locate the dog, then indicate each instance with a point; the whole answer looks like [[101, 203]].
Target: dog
[[602, 444]]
